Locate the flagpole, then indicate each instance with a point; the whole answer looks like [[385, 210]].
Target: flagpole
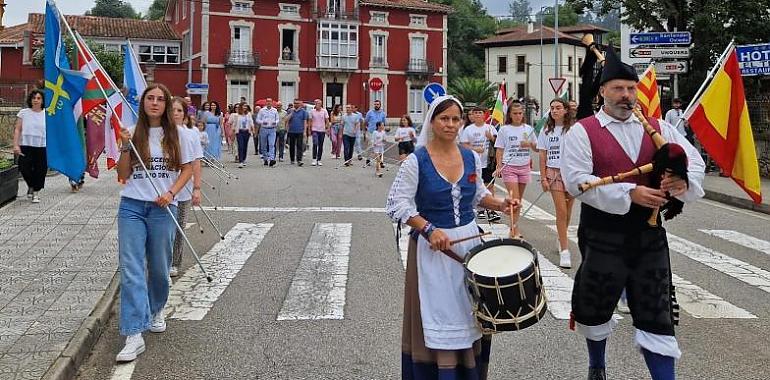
[[136, 152], [705, 82]]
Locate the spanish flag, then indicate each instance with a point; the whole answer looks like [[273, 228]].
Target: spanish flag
[[720, 120], [498, 113], [647, 93]]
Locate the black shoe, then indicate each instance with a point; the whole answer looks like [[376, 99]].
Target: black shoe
[[382, 165], [481, 214], [596, 374], [264, 162], [272, 163], [493, 216], [360, 158], [299, 163]]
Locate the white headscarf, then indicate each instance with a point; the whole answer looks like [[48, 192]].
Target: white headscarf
[[426, 133]]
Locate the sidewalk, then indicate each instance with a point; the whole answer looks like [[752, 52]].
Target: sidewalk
[[58, 261], [725, 190]]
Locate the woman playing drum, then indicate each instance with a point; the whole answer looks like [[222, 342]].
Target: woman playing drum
[[435, 193]]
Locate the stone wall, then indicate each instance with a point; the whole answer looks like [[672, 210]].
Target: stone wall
[[7, 120]]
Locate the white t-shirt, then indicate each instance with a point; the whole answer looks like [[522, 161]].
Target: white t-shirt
[[378, 141], [551, 143], [32, 127], [193, 138], [404, 134], [138, 186], [476, 136], [509, 138]]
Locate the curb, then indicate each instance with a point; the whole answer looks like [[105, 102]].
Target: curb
[[67, 364], [737, 202]]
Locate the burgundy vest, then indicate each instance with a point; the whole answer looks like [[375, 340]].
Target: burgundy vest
[[609, 159]]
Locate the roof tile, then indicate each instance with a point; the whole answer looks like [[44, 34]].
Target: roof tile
[[409, 4], [91, 26]]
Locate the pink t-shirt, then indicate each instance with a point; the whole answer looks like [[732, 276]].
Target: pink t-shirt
[[319, 119]]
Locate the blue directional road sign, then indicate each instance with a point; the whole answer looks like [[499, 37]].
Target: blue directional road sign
[[197, 88], [196, 85], [433, 91], [754, 59], [661, 38]]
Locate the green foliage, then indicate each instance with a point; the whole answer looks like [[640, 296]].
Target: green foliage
[[520, 11], [5, 163], [567, 16], [157, 10], [113, 9], [473, 90], [467, 24], [112, 61]]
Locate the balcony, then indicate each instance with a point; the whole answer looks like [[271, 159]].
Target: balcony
[[336, 64], [335, 14], [379, 62], [241, 59], [420, 68]]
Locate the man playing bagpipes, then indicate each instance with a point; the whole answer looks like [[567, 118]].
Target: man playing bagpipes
[[619, 165]]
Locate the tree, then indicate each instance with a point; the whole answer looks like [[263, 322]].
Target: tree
[[473, 90], [567, 16], [520, 10], [157, 10], [113, 8], [468, 23]]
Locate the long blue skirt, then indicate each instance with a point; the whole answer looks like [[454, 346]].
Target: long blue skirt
[[215, 140]]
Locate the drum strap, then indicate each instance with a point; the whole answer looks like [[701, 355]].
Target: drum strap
[[452, 255]]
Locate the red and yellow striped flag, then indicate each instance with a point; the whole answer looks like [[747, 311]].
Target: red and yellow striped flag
[[647, 93], [498, 112], [720, 120]]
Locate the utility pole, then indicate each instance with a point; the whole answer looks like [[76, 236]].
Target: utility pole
[[192, 41], [556, 40]]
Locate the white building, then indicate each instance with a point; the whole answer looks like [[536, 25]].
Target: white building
[[525, 58]]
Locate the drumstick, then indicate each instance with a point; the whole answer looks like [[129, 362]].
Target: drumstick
[[453, 242], [512, 225]]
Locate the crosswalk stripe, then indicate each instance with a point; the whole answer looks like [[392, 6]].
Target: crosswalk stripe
[[696, 301], [191, 297], [732, 267], [318, 288], [741, 239], [123, 371], [296, 209]]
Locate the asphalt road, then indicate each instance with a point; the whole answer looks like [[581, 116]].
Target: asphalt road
[[240, 337]]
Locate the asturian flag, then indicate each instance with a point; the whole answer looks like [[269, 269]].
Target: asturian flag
[[63, 88], [647, 93], [133, 81]]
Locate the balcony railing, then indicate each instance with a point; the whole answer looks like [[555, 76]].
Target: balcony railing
[[379, 62], [420, 67], [336, 63], [242, 59], [336, 14]]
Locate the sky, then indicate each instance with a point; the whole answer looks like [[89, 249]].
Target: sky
[[17, 10]]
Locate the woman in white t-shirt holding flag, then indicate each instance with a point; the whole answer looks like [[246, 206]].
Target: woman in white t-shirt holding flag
[[514, 142], [549, 143], [145, 230]]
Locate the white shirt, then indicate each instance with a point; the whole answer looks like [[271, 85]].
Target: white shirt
[[577, 165], [267, 117], [138, 186], [405, 134], [193, 139], [509, 138], [476, 136], [672, 117], [32, 127], [551, 144]]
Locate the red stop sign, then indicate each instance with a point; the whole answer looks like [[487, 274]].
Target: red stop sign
[[375, 84]]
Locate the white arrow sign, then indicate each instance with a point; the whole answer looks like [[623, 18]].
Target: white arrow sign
[[678, 67], [659, 53]]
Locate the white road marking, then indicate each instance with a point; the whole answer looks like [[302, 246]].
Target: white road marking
[[535, 213], [191, 297], [123, 371], [732, 267], [741, 239], [188, 225], [318, 288], [733, 209], [297, 209], [403, 242]]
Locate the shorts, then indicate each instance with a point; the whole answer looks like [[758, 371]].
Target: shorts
[[487, 175], [378, 149], [515, 173], [405, 147], [553, 176]]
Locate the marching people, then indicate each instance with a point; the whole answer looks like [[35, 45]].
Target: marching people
[[335, 132], [620, 247], [674, 114], [267, 121], [212, 115], [378, 147], [373, 116], [243, 128], [191, 194], [280, 131], [514, 142], [479, 136], [319, 125], [549, 144], [405, 137], [204, 138], [29, 144], [360, 134], [253, 116], [145, 230], [351, 130], [298, 124], [435, 192]]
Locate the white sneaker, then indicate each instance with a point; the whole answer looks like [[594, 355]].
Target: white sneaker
[[313, 163], [173, 271], [133, 348], [320, 163], [158, 324], [623, 306], [35, 198], [241, 165], [29, 193], [564, 259]]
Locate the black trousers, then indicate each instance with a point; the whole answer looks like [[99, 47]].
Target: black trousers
[[256, 143], [33, 166], [348, 142], [296, 146], [280, 143]]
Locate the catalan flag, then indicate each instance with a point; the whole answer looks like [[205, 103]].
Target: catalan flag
[[498, 113], [720, 120], [647, 93]]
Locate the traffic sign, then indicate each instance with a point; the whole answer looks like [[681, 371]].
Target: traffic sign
[[192, 85], [433, 91], [197, 91], [375, 84], [659, 53], [754, 59], [557, 84], [676, 67], [660, 38]]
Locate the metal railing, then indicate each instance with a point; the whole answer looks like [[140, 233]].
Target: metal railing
[[335, 14], [420, 67], [242, 58]]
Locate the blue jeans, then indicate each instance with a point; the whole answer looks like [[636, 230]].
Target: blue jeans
[[348, 142], [359, 148], [243, 144], [145, 241], [318, 145], [267, 143]]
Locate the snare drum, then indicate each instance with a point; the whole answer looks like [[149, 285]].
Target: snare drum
[[503, 278]]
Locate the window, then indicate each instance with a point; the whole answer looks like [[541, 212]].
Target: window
[[239, 89], [379, 17], [289, 10], [338, 45], [242, 6], [377, 95], [288, 50], [158, 53], [415, 102], [113, 48], [502, 64], [418, 20], [569, 63], [521, 63], [186, 45], [417, 48], [241, 39], [378, 50], [521, 90], [288, 93]]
